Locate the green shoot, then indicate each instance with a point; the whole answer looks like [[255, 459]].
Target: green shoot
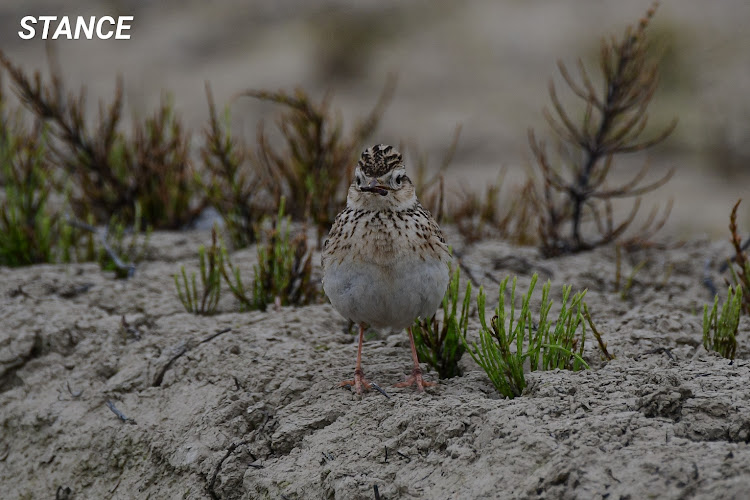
[[440, 346], [237, 182], [118, 245], [720, 329], [30, 232], [283, 273], [510, 345], [211, 263], [625, 292], [233, 278]]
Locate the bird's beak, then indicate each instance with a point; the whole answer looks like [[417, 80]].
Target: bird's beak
[[375, 187]]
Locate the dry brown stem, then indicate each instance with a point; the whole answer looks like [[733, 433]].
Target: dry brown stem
[[612, 122], [741, 275], [113, 173], [315, 166]]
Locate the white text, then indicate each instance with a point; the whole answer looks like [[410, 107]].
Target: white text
[[103, 28]]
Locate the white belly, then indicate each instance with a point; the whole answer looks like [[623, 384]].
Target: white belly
[[386, 297]]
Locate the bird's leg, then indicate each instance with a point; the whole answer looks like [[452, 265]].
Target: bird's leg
[[359, 381], [416, 373]]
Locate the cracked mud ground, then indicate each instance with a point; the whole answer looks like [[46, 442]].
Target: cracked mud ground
[[248, 404]]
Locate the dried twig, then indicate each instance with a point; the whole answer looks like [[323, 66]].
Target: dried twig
[[661, 350], [111, 405], [212, 483], [126, 269], [214, 335], [597, 334], [741, 275], [380, 390], [179, 350]]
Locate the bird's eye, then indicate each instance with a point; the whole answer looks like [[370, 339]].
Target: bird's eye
[[358, 180], [398, 180]]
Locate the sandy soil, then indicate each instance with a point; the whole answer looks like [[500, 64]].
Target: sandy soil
[[256, 411]]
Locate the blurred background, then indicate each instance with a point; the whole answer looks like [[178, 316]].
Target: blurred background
[[484, 65]]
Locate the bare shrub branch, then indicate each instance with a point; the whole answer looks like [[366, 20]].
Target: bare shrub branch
[[314, 168], [612, 122], [112, 172]]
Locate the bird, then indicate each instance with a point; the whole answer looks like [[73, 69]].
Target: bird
[[385, 261]]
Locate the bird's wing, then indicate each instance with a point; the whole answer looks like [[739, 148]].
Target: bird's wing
[[435, 232], [334, 234]]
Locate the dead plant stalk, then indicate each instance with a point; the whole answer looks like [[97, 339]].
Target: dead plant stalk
[[611, 123]]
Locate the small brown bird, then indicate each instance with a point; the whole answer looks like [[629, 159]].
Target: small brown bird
[[385, 262]]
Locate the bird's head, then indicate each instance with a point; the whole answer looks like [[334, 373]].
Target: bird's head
[[380, 181]]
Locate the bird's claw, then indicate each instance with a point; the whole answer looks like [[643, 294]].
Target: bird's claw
[[358, 383], [416, 379]]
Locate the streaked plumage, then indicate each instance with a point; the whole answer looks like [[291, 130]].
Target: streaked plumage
[[385, 262]]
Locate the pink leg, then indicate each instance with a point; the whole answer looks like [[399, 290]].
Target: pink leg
[[359, 381], [416, 373]]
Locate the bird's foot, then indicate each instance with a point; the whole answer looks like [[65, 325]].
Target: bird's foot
[[416, 379], [359, 383]]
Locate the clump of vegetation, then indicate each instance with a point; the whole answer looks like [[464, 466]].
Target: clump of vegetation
[[606, 356], [611, 122], [115, 246], [26, 225], [624, 290], [210, 264], [30, 231], [506, 213], [237, 184], [720, 329], [509, 346], [111, 172], [439, 345], [513, 218], [282, 275], [431, 191], [123, 246], [315, 166], [740, 264]]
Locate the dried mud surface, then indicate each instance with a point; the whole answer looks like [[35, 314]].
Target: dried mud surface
[[256, 411]]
